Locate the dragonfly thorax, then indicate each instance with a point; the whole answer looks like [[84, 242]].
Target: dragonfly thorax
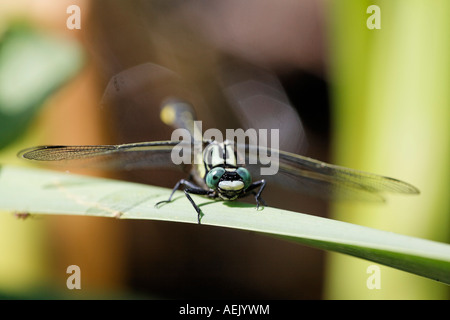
[[219, 154]]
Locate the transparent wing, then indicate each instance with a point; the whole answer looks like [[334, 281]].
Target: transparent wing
[[325, 180], [252, 94], [125, 156], [295, 172]]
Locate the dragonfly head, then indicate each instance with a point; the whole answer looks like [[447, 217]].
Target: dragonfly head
[[229, 183]]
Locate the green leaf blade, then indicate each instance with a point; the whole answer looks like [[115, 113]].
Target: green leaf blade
[[47, 192]]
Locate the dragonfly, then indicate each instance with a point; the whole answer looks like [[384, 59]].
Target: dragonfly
[[219, 175]]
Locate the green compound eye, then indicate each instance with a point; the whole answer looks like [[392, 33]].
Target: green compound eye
[[213, 177], [245, 175]]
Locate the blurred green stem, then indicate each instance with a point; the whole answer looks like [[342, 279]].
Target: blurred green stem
[[391, 111]]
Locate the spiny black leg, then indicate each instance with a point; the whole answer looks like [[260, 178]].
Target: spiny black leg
[[180, 183], [261, 184], [199, 191], [260, 198], [199, 212], [258, 195], [192, 188]]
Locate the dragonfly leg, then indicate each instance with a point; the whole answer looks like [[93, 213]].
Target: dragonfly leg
[[200, 191], [261, 184], [260, 198], [192, 188], [180, 183]]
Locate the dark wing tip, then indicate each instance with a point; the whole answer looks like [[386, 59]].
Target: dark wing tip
[[400, 186], [33, 152], [412, 189], [58, 153]]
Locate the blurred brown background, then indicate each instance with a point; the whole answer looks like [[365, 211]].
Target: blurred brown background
[[374, 100], [203, 42]]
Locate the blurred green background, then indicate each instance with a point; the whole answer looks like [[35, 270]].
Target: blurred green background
[[375, 100], [391, 111]]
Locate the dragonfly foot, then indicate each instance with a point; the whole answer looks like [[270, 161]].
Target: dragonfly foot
[[260, 201], [160, 202], [199, 217]]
